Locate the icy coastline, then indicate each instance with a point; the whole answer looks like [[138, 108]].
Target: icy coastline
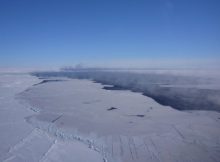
[[63, 119], [137, 129]]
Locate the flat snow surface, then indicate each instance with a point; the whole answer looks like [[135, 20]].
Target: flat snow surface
[[22, 142], [62, 120], [122, 126]]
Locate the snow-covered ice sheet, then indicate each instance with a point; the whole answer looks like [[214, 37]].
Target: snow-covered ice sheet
[[121, 125], [22, 142]]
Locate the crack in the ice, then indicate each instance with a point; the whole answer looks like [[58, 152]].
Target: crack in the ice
[[58, 133], [48, 151]]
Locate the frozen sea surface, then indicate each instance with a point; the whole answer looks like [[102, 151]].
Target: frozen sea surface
[[119, 126], [22, 142]]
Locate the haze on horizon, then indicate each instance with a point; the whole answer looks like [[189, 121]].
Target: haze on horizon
[[143, 33], [115, 80]]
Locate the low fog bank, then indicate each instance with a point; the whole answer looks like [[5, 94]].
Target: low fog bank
[[183, 91]]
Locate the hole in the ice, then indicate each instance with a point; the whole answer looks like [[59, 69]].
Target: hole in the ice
[[139, 115], [112, 108]]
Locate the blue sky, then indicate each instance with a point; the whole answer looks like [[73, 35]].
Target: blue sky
[[108, 32]]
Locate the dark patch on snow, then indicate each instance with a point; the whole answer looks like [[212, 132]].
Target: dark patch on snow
[[112, 108], [42, 78], [138, 115], [56, 119], [141, 116], [27, 90], [113, 88]]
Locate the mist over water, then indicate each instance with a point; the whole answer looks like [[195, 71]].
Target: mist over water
[[180, 89]]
